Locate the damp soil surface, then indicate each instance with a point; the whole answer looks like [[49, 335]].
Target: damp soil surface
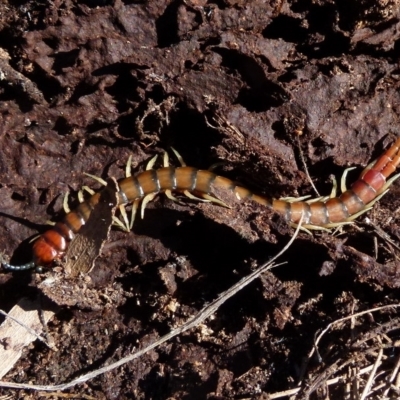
[[276, 95]]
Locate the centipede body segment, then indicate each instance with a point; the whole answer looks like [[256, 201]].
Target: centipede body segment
[[327, 212]]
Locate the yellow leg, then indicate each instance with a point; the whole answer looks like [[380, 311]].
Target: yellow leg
[[169, 194], [388, 183], [295, 199], [145, 201], [124, 217], [135, 207], [65, 204], [179, 157], [151, 163], [97, 178], [128, 168], [193, 197], [343, 187]]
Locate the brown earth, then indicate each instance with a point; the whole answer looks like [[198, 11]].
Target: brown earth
[[257, 85]]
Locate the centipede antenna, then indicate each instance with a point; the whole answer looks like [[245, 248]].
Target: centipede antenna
[[128, 168], [151, 163], [179, 157], [343, 187], [65, 204], [37, 236], [23, 267], [96, 178], [145, 201]]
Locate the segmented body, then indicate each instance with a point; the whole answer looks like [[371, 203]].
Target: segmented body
[[330, 212]]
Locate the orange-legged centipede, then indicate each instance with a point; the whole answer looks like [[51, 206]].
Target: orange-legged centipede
[[324, 212]]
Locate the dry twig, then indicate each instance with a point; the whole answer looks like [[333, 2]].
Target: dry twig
[[194, 321]]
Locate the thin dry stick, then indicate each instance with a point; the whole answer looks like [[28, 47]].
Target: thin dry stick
[[381, 233], [393, 375], [347, 386], [201, 316], [30, 330], [335, 368], [59, 395], [355, 382], [329, 382], [329, 326], [303, 161], [371, 376]]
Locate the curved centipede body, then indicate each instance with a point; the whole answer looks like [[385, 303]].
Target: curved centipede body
[[324, 212]]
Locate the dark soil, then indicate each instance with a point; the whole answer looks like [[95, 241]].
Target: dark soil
[[259, 86]]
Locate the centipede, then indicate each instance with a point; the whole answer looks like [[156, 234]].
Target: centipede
[[320, 213]]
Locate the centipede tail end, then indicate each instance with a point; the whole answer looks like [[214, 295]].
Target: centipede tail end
[[22, 267]]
